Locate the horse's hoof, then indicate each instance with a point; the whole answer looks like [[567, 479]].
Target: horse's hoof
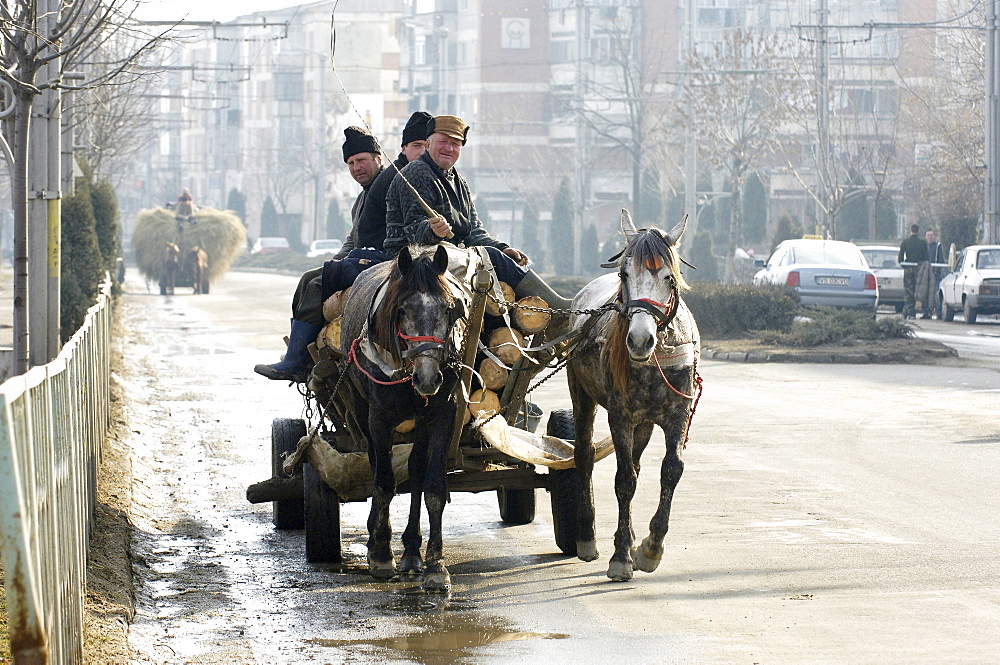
[[411, 564], [646, 557], [437, 580], [587, 550], [619, 571], [381, 570]]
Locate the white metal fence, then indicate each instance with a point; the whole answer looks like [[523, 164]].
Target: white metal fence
[[53, 420]]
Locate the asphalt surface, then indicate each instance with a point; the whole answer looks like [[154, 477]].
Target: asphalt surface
[[827, 513]]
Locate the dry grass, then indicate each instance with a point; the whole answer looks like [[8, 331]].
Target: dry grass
[[4, 630], [218, 232]]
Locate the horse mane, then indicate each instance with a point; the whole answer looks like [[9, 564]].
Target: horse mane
[[422, 278], [648, 249]]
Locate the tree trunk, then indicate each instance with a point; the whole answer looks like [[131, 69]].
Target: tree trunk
[[735, 219], [19, 199]]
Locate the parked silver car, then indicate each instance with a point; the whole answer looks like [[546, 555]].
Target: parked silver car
[[822, 272], [974, 285], [884, 262]]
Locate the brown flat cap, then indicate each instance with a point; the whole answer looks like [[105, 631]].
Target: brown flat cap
[[449, 125]]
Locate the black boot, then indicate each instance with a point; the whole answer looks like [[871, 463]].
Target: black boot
[[297, 363], [532, 285]]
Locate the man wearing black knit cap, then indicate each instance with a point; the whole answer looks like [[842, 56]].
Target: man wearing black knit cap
[[363, 157]]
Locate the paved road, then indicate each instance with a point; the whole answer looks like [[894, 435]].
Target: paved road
[[980, 341], [827, 513]]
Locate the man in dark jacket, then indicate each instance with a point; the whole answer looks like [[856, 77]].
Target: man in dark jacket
[[363, 156], [456, 221], [913, 250]]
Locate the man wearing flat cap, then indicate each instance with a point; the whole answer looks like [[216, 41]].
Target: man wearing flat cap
[[447, 193]]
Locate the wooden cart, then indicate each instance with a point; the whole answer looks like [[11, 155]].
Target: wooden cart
[[302, 499]]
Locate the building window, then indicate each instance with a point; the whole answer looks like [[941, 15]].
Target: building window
[[288, 86]]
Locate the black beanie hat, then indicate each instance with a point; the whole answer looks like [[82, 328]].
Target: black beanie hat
[[359, 140], [416, 127]]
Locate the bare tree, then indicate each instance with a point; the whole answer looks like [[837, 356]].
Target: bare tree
[[625, 101], [943, 114], [40, 41], [115, 121], [731, 103]]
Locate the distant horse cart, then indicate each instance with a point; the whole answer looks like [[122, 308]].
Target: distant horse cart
[[192, 257], [416, 389]]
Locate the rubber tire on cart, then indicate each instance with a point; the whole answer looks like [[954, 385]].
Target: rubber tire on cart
[[322, 519], [971, 314], [204, 285], [516, 506], [947, 312], [564, 489], [285, 434]]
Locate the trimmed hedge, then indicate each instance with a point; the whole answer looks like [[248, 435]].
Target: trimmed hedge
[[724, 310]]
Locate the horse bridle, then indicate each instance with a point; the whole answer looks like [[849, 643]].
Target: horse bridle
[[664, 313], [427, 343]]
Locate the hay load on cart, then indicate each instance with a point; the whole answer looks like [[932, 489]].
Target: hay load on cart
[[189, 255]]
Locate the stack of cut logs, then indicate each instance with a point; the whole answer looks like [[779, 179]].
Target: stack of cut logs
[[503, 342]]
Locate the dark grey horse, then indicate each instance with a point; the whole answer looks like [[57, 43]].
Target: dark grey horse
[[639, 363], [412, 323]]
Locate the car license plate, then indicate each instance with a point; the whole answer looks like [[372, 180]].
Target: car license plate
[[833, 281]]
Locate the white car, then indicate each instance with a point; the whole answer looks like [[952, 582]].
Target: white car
[[884, 262], [822, 272], [974, 285], [323, 247], [271, 245]]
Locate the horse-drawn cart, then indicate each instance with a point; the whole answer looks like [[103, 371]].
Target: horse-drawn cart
[[317, 465]]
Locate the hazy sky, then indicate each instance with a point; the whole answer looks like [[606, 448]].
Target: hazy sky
[[202, 10]]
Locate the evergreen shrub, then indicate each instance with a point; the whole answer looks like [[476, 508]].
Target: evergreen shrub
[[723, 310]]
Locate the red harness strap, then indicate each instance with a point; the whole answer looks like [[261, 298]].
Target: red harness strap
[[696, 396], [419, 338], [352, 357]]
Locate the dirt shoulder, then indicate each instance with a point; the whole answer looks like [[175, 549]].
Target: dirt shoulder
[[110, 602], [910, 351]]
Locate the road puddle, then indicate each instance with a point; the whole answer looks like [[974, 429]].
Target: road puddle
[[438, 639]]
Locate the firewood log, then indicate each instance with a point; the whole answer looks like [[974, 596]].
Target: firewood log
[[506, 344], [494, 309], [333, 307], [484, 402], [494, 376], [331, 335], [530, 321]]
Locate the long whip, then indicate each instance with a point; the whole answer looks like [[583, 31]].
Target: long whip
[[333, 66]]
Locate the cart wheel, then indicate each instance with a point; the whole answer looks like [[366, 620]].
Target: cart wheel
[[564, 489], [516, 506], [322, 517], [204, 285], [285, 435]]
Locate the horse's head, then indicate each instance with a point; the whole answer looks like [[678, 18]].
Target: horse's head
[[420, 310], [651, 282], [171, 253]]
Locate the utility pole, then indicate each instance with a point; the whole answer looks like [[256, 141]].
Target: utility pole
[[823, 111], [691, 152], [992, 184], [44, 205]]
